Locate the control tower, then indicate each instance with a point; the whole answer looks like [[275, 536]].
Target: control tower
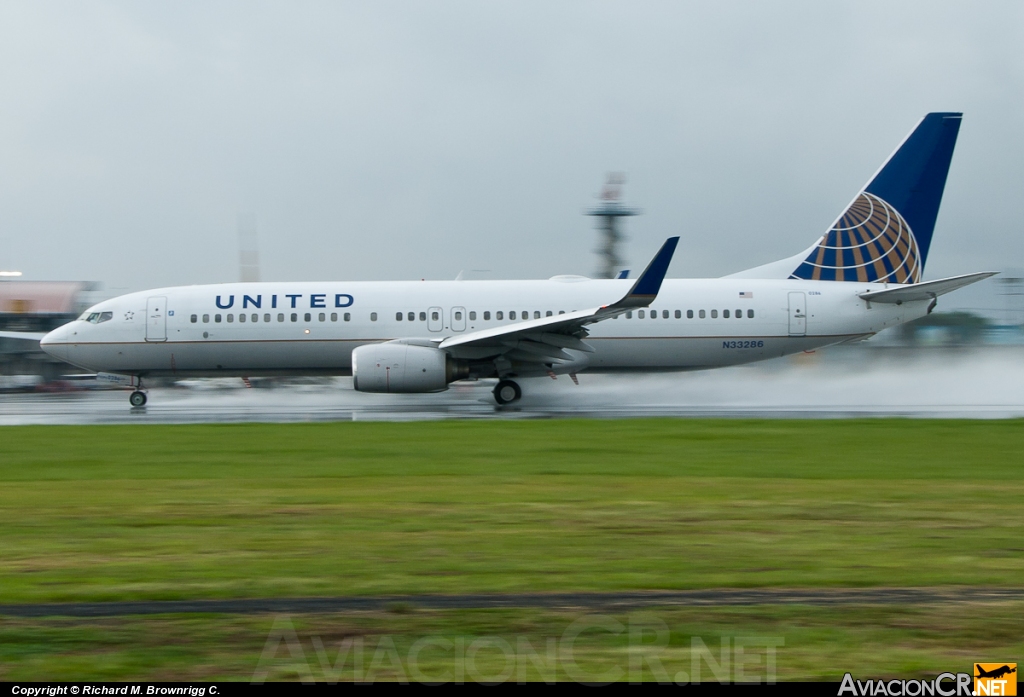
[[609, 212]]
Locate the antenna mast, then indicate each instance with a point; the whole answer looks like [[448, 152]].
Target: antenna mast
[[248, 249]]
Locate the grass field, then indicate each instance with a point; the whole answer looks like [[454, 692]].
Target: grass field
[[178, 512]]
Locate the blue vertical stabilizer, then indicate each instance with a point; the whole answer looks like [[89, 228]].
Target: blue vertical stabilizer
[[885, 234]]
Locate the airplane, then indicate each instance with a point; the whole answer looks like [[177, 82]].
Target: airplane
[[996, 673], [862, 276]]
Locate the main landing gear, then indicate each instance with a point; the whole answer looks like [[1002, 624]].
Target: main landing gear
[[138, 397], [506, 392]]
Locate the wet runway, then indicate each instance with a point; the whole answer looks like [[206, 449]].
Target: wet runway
[[988, 384]]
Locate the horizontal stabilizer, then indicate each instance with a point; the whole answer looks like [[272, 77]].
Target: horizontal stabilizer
[[924, 291], [27, 336]]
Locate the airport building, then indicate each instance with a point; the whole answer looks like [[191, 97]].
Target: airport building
[[36, 306]]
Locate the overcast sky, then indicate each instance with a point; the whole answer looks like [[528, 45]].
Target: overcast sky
[[406, 140]]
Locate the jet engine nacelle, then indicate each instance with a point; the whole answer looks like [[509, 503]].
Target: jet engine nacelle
[[401, 367]]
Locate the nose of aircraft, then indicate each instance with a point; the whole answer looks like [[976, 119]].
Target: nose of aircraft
[[56, 343]]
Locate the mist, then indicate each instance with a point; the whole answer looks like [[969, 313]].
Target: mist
[[969, 383]]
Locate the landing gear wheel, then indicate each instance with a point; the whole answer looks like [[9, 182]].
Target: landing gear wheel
[[507, 392], [137, 399]]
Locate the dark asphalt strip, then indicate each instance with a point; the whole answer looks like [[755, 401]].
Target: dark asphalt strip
[[588, 601]]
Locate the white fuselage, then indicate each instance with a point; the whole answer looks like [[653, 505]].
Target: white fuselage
[[312, 328]]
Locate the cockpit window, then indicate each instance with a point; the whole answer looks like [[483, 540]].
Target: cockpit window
[[97, 317]]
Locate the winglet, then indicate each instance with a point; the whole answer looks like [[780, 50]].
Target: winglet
[[646, 288]]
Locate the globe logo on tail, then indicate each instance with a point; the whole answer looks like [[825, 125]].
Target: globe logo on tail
[[870, 243]]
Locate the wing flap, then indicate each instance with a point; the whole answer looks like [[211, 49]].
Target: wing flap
[[538, 349], [928, 290]]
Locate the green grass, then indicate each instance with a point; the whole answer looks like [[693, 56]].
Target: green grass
[[155, 512], [160, 512]]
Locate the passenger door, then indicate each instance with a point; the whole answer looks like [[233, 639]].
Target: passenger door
[[797, 314], [156, 319]]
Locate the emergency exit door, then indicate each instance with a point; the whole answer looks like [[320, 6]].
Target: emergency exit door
[[156, 319], [458, 319], [797, 314], [435, 319]]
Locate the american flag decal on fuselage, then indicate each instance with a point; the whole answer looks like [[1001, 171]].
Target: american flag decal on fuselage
[[871, 242]]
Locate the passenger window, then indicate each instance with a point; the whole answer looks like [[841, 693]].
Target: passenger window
[[206, 318], [526, 314], [654, 314], [512, 314], [266, 317], [373, 316], [434, 316], [195, 318], [280, 317], [750, 314], [701, 314], [334, 316], [231, 318], [295, 317], [629, 315], [412, 316], [548, 313], [216, 318], [398, 316], [739, 314], [689, 314], [307, 317], [714, 314], [255, 317], [458, 316], [561, 312], [536, 314], [679, 314], [640, 314], [423, 317], [499, 314], [241, 318], [472, 315], [725, 314], [487, 314], [664, 314], [348, 316], [322, 317]]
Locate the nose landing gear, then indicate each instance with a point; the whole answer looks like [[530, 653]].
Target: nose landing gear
[[506, 392]]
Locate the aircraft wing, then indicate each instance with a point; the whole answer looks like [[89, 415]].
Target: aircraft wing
[[542, 340], [928, 290], [28, 336]]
